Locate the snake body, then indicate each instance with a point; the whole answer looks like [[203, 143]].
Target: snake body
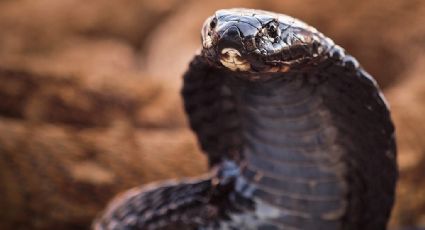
[[297, 134]]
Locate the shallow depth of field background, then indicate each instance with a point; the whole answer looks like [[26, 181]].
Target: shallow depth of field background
[[90, 105]]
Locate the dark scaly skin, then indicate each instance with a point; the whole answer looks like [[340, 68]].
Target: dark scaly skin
[[299, 137]]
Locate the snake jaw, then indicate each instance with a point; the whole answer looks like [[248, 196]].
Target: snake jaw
[[207, 42], [232, 59]]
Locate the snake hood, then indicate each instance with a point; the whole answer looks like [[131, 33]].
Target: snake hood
[[298, 136], [260, 41]]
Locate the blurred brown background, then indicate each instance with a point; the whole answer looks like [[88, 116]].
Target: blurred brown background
[[89, 102]]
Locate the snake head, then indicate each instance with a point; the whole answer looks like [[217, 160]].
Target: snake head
[[259, 41]]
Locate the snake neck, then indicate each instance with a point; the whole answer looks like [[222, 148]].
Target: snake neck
[[290, 163], [286, 121]]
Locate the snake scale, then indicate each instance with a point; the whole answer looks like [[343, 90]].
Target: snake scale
[[297, 134]]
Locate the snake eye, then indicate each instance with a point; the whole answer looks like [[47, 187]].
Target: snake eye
[[213, 23], [272, 29]]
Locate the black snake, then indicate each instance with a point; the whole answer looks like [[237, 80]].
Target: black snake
[[298, 136]]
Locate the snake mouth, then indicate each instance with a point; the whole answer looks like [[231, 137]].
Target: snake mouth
[[232, 59]]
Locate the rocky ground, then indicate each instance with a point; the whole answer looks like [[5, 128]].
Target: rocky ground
[[89, 102]]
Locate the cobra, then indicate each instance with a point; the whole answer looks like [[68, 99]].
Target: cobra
[[297, 133]]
